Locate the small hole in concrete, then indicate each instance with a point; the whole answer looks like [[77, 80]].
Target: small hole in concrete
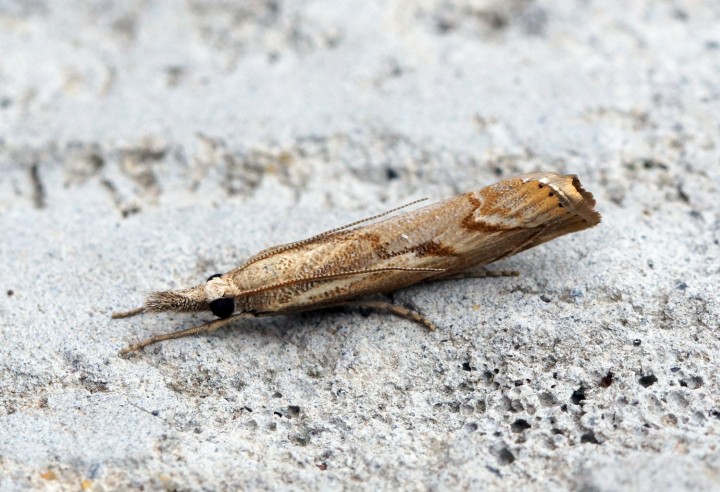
[[505, 456], [589, 437], [578, 396], [520, 425], [647, 381]]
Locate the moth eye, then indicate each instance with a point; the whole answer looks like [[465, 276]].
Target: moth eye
[[214, 275], [223, 307]]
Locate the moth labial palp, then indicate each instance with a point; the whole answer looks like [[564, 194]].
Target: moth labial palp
[[341, 267]]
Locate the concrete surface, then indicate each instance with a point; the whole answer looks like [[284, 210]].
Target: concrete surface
[[148, 144]]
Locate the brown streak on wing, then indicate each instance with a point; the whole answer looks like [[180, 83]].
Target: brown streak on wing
[[428, 248], [471, 222], [433, 248]]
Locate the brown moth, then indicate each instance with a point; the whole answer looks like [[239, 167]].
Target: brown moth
[[441, 241]]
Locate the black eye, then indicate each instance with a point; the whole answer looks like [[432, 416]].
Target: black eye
[[214, 275], [223, 307]]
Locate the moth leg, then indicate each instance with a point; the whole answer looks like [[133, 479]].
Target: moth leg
[[391, 308], [208, 327], [475, 274]]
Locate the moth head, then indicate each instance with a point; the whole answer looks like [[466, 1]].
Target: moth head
[[207, 296], [215, 289]]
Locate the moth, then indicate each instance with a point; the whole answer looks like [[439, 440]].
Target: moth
[[343, 266]]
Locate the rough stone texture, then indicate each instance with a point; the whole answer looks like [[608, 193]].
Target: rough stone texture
[[147, 144]]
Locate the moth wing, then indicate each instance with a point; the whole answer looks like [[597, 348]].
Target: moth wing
[[522, 212], [288, 246]]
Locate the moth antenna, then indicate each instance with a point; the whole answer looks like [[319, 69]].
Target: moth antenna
[[332, 276], [286, 247]]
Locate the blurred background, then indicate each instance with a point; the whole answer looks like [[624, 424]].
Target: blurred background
[[297, 102], [146, 144]]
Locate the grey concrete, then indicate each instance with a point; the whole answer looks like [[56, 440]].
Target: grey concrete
[[147, 144]]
